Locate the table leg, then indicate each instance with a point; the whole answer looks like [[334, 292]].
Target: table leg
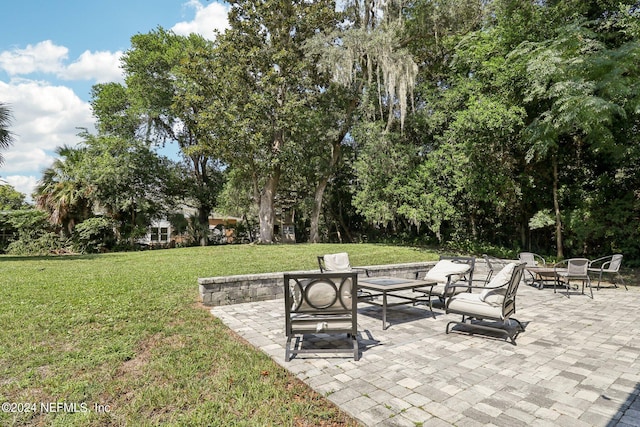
[[384, 310]]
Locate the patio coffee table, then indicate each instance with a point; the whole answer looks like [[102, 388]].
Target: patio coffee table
[[542, 274], [388, 287]]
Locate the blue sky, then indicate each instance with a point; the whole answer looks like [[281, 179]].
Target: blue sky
[[52, 52]]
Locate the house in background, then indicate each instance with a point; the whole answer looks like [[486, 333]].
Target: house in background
[[222, 228], [162, 234]]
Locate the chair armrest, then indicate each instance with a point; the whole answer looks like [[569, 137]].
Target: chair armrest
[[476, 287], [559, 266], [605, 261], [366, 271]]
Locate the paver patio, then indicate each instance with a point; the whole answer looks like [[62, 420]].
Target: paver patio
[[577, 363]]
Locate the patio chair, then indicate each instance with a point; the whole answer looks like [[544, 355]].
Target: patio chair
[[573, 269], [318, 304], [338, 262], [531, 260], [493, 264], [495, 302], [608, 264], [446, 273]]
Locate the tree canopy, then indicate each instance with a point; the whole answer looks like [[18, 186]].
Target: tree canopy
[[510, 123]]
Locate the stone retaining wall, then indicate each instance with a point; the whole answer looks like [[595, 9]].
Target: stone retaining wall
[[226, 290]]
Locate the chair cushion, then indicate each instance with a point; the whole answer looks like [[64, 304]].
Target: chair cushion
[[445, 267], [337, 262], [471, 305], [498, 281]]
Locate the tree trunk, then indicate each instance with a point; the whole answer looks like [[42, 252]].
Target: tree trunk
[[203, 221], [266, 212], [556, 207], [204, 207], [314, 233], [336, 151]]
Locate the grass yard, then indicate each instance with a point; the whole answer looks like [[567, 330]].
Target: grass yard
[[120, 339]]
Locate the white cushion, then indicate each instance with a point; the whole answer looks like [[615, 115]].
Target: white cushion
[[337, 262], [470, 304], [443, 268], [498, 281]]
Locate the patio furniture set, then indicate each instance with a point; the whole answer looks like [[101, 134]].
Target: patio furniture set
[[563, 272], [325, 303]]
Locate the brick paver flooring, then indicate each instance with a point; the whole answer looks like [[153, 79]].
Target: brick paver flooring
[[577, 363]]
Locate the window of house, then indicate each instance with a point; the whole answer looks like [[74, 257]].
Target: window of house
[[159, 234]]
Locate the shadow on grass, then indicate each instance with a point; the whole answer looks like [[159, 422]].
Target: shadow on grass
[[50, 258]]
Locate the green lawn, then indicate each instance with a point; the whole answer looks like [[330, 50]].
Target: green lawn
[[121, 339]]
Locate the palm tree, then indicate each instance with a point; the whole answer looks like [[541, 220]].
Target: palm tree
[[6, 137], [62, 192]]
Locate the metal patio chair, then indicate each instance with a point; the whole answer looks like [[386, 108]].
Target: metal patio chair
[[495, 302], [339, 262], [446, 273], [573, 269], [318, 304], [531, 260], [610, 265]]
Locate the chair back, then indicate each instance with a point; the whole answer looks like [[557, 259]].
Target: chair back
[[614, 264], [509, 303], [320, 303], [334, 262], [324, 293], [577, 266], [529, 258], [469, 261]]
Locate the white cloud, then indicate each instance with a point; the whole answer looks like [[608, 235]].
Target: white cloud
[[47, 115], [208, 18], [43, 57], [103, 67], [23, 184], [44, 117], [46, 57], [17, 161]]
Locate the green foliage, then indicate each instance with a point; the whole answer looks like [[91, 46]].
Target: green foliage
[[64, 191], [542, 219], [169, 88], [33, 235], [10, 198], [45, 243], [94, 235], [6, 137], [518, 113]]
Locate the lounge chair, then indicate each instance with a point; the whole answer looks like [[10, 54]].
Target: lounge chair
[[573, 269], [496, 302], [446, 273], [608, 264], [320, 304]]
